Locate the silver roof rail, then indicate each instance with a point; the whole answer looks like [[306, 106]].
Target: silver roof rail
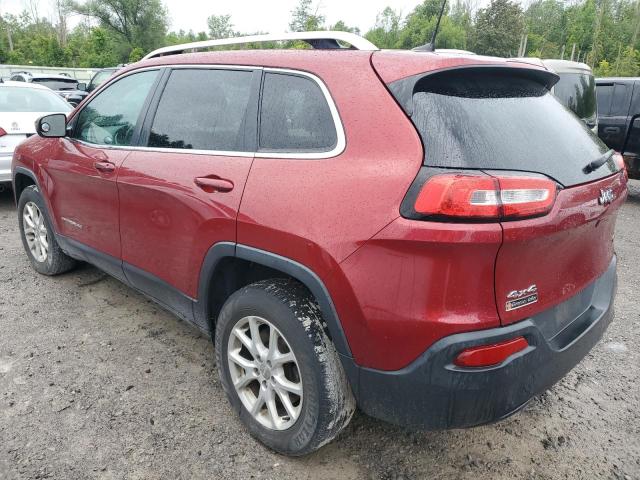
[[323, 39]]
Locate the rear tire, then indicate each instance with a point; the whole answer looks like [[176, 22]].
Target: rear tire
[[37, 235], [323, 404]]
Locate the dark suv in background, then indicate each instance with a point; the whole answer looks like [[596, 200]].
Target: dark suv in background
[[67, 87], [619, 118]]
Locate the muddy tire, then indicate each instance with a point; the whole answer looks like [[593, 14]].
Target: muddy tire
[[37, 235], [271, 347]]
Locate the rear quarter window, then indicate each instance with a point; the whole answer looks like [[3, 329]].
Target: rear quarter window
[[295, 116]]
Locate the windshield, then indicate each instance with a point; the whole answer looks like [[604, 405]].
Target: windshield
[[20, 99], [99, 79], [577, 91], [482, 120], [57, 84]]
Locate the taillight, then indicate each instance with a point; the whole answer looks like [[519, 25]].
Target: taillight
[[483, 197], [490, 355], [619, 159], [3, 132]]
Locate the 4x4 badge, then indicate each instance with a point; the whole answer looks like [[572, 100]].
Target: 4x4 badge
[[521, 298], [606, 196]]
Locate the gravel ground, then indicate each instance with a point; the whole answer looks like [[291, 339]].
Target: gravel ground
[[98, 382]]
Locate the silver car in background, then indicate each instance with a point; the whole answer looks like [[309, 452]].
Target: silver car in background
[[21, 104]]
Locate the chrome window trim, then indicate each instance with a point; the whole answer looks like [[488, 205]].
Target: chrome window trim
[[340, 134]]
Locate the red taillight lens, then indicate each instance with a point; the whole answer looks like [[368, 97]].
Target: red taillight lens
[[619, 159], [3, 132], [453, 196], [485, 197], [490, 355]]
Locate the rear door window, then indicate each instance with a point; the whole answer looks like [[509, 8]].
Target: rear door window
[[295, 116], [203, 109], [478, 120], [621, 100]]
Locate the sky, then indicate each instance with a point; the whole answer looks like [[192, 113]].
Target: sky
[[251, 15]]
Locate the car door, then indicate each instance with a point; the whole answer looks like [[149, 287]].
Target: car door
[[83, 167], [614, 99], [181, 190]]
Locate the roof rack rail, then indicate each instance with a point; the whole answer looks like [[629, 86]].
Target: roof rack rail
[[319, 40]]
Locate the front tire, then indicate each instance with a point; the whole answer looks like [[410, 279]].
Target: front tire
[[279, 369], [37, 236]]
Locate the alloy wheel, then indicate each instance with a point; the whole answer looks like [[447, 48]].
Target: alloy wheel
[[265, 373], [35, 232]]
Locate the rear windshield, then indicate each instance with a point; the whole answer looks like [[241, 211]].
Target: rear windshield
[[20, 99], [57, 84], [577, 91], [477, 120]]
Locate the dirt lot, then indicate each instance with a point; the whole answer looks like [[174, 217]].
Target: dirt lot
[[98, 382]]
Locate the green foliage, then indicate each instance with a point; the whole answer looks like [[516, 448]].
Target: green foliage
[[139, 23], [498, 28], [606, 33], [220, 26], [386, 32], [305, 19]]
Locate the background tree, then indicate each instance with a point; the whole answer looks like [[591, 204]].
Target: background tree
[[139, 23], [305, 18], [386, 31], [605, 33], [220, 26], [498, 29]]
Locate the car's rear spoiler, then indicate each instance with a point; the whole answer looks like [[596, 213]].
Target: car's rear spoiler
[[404, 88]]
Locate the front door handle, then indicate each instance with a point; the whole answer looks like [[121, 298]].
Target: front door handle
[[214, 184], [612, 130], [104, 167]]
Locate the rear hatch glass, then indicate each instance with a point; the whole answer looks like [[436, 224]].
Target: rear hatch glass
[[474, 119]]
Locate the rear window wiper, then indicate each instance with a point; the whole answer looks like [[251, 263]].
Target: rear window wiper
[[598, 162]]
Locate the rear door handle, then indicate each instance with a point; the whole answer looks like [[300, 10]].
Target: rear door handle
[[214, 184], [612, 130], [105, 167]]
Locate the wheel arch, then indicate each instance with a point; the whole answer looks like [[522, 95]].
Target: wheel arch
[[22, 178], [214, 267]]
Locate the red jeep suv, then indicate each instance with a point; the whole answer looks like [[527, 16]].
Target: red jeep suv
[[427, 236]]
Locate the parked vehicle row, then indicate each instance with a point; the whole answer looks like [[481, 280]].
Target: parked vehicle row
[[392, 230]]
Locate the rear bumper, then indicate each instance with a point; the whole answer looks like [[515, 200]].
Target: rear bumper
[[432, 393], [5, 167]]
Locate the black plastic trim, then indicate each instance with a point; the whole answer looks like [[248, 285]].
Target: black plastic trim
[[201, 308], [80, 251], [28, 173], [310, 280]]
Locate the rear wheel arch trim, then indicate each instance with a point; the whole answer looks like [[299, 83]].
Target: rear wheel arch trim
[[285, 265]]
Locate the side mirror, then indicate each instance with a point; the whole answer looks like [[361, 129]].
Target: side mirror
[[82, 86], [52, 126]]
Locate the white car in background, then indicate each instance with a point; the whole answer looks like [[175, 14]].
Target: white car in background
[[21, 104]]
